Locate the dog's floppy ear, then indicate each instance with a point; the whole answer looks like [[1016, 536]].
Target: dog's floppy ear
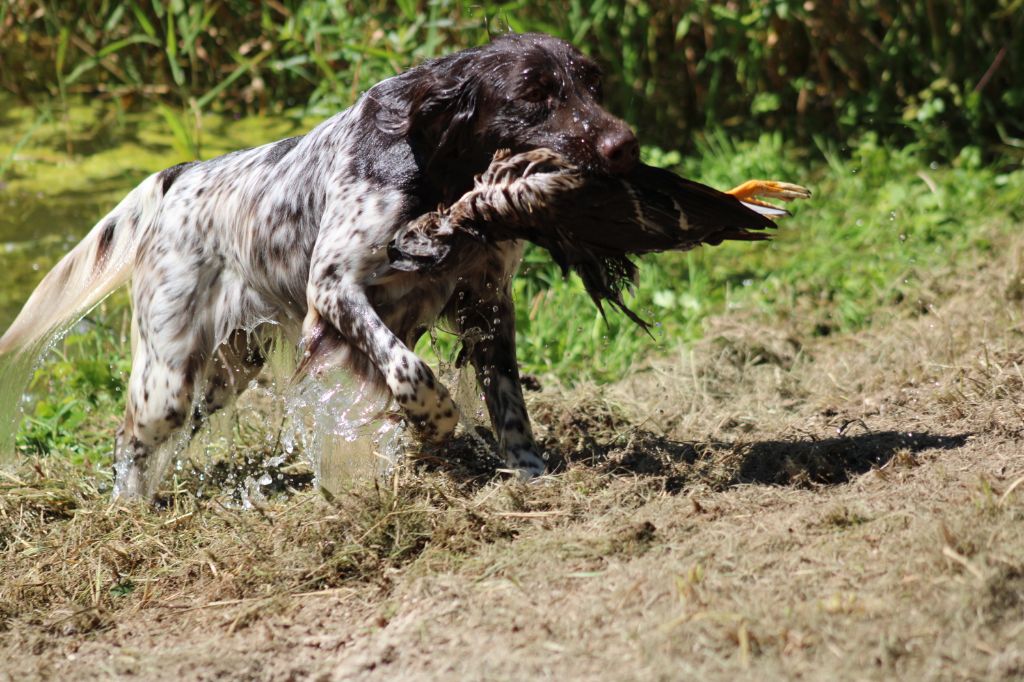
[[436, 108]]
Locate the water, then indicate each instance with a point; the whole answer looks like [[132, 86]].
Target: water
[[342, 428], [15, 373]]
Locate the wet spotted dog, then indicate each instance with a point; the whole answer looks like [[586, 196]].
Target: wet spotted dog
[[296, 233]]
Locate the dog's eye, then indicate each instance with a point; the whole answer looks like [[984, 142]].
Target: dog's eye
[[539, 87]]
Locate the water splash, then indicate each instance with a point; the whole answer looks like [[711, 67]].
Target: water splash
[[333, 427], [16, 372], [343, 429]]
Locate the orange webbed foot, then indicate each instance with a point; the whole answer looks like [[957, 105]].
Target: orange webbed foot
[[754, 191]]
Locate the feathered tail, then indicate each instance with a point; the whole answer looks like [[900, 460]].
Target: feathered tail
[[97, 266]]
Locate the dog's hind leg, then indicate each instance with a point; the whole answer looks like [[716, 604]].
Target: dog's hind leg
[[172, 343], [160, 392]]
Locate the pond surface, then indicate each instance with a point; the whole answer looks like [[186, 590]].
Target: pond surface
[[60, 174]]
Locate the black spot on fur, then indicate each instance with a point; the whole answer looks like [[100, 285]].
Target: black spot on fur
[[280, 149], [106, 239], [175, 417], [169, 175]]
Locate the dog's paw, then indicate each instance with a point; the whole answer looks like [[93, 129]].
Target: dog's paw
[[525, 461], [433, 419]]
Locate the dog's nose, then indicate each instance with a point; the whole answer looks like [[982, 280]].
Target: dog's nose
[[620, 149]]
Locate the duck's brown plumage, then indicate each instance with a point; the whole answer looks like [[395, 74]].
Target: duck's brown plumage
[[589, 224]]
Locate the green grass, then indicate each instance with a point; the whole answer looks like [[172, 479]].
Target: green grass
[[80, 391]]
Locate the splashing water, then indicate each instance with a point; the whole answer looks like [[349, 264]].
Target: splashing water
[[341, 429], [333, 423], [16, 372]]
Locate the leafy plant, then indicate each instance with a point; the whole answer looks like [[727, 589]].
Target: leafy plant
[[941, 74]]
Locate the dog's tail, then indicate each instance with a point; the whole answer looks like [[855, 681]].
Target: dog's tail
[[97, 266]]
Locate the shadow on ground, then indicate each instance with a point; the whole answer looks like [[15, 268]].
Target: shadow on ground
[[639, 453], [795, 462], [834, 460]]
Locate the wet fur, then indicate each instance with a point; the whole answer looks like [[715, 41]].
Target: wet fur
[[295, 233]]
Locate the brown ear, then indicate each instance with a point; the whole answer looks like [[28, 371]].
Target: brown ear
[[435, 107]]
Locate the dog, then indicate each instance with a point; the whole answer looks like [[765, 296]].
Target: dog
[[295, 234]]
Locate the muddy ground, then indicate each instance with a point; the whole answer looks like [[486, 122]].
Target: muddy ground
[[764, 505]]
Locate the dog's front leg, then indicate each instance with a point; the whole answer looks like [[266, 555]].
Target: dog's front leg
[[336, 294], [484, 315]]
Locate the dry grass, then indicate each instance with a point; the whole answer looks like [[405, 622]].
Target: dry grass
[[762, 506]]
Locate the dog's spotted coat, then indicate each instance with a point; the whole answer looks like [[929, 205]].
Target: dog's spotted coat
[[296, 232]]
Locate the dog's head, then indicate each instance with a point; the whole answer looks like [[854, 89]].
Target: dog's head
[[521, 92]]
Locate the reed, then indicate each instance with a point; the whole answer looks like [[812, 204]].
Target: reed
[[939, 74]]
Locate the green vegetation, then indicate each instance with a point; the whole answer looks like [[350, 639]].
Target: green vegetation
[[944, 73], [83, 387]]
